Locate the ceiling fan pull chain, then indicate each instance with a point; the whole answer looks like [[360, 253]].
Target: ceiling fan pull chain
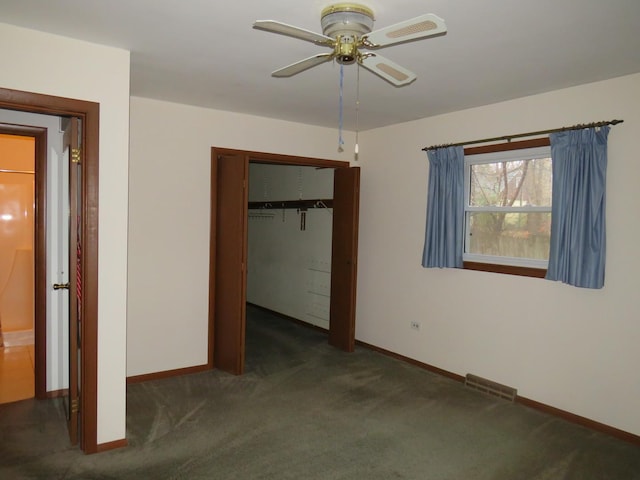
[[340, 140]]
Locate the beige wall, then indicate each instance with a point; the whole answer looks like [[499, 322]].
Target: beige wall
[[169, 219], [48, 64], [572, 348]]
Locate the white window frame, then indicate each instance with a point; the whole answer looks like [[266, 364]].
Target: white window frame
[[495, 157]]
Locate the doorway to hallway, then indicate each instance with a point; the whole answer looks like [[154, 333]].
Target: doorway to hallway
[[88, 113], [17, 285]]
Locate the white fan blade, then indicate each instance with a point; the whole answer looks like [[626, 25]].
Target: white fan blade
[[390, 71], [302, 65], [426, 25], [296, 32]]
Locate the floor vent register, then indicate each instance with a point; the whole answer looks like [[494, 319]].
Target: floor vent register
[[490, 387]]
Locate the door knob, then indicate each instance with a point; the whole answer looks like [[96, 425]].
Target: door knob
[[61, 286]]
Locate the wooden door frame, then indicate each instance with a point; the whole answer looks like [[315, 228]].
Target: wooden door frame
[[254, 157], [39, 134], [89, 112]]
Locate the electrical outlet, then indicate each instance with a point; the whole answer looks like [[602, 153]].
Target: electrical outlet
[[415, 325]]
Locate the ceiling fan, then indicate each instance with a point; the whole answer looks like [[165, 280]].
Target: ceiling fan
[[347, 31]]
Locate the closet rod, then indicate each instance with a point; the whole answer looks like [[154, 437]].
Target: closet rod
[[508, 138], [302, 204], [4, 170]]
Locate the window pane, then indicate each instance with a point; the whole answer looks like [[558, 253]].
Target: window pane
[[513, 183], [519, 235]]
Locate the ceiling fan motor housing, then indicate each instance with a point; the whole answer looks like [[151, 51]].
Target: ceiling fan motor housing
[[346, 22]]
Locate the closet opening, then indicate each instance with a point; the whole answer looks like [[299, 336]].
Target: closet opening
[[290, 217], [283, 238]]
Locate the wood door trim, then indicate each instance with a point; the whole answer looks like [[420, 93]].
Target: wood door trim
[[279, 159], [105, 447], [39, 134], [213, 249], [146, 377], [89, 112]]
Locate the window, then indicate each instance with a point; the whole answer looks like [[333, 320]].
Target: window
[[507, 207], [505, 226]]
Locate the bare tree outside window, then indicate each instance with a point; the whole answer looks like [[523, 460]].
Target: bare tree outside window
[[509, 211]]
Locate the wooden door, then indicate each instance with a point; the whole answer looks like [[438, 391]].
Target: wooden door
[[229, 179], [75, 275], [344, 258]]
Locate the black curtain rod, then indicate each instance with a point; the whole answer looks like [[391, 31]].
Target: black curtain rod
[[508, 138]]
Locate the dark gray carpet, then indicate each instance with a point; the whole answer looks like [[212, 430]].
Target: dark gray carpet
[[304, 410]]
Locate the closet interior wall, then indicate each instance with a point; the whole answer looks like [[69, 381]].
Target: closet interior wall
[[289, 249]]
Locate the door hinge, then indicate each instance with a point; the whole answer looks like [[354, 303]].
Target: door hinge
[[75, 155], [75, 405]]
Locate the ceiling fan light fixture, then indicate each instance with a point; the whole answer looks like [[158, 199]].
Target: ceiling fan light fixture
[[346, 19], [348, 32]]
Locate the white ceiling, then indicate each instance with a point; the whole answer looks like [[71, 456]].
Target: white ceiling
[[206, 53]]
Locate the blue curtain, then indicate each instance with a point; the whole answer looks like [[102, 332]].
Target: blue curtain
[[445, 210], [578, 241]]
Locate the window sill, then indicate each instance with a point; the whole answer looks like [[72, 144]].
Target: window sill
[[506, 269]]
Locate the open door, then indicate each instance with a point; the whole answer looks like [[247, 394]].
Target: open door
[[229, 179], [73, 139], [344, 258]]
